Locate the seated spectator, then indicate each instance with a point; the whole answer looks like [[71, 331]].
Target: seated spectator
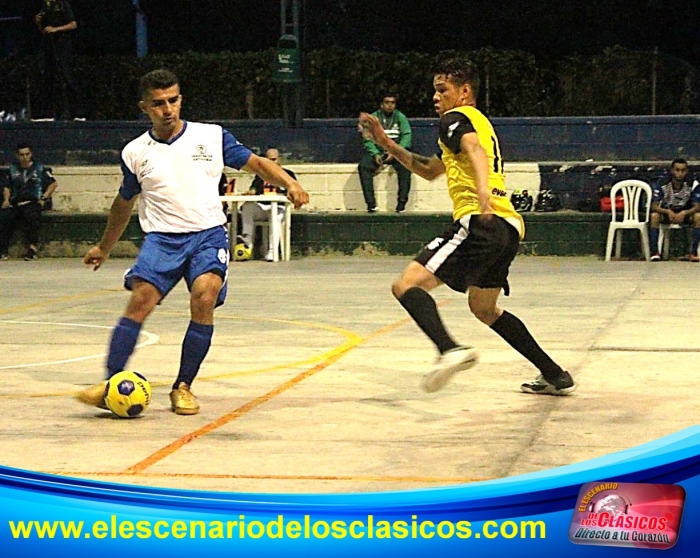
[[397, 127], [676, 202], [27, 190], [226, 186], [251, 211]]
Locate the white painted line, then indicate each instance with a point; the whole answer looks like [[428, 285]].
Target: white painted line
[[151, 338]]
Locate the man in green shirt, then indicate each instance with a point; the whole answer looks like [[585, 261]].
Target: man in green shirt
[[397, 127]]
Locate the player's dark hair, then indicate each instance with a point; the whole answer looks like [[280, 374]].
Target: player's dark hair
[[679, 161], [22, 145], [157, 79], [460, 71], [389, 94]]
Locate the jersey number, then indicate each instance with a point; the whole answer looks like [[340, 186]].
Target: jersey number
[[497, 160]]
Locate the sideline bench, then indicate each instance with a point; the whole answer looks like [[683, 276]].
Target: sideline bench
[[560, 233]]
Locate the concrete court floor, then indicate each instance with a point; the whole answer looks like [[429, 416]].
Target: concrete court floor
[[312, 382]]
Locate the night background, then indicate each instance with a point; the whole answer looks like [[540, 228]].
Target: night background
[[538, 26], [536, 58]]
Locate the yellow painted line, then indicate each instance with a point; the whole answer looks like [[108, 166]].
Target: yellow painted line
[[45, 303], [352, 340], [367, 478], [240, 411], [326, 359]]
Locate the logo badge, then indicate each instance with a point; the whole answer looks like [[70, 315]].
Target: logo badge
[[633, 515], [202, 154]]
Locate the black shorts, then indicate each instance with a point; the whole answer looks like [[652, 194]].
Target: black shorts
[[475, 251]]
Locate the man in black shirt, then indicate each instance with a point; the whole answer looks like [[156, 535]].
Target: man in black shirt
[[57, 24]]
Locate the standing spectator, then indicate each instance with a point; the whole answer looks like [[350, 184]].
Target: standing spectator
[[174, 170], [676, 202], [251, 211], [57, 23], [28, 190], [395, 126], [474, 255]]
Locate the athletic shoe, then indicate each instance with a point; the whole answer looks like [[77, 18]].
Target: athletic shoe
[[94, 395], [183, 401], [563, 385], [447, 365], [655, 258], [400, 207], [693, 258], [269, 256], [372, 209], [79, 119], [30, 255]]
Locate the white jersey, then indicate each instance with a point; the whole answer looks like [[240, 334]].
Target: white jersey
[[179, 179]]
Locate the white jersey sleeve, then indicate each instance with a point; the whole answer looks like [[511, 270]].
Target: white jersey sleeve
[[178, 180]]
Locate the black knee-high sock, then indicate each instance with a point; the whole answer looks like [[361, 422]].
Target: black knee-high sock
[[517, 336], [422, 308]]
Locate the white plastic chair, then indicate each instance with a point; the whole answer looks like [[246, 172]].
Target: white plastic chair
[[285, 243], [631, 191]]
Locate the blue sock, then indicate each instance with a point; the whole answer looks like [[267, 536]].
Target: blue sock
[[195, 347], [124, 337], [696, 240], [654, 240]]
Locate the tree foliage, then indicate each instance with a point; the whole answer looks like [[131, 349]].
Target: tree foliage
[[340, 83]]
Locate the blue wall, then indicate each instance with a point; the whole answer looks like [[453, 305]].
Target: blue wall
[[620, 138]]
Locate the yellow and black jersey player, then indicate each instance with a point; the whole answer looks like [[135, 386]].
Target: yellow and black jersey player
[[474, 255]]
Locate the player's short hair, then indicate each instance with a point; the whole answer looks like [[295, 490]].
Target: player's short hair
[[157, 79], [23, 145], [461, 71], [679, 161], [391, 94]]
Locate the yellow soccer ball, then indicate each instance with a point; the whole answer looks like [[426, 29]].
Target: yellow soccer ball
[[127, 394], [242, 253]]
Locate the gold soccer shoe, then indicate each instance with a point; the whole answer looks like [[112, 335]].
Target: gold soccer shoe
[[94, 395], [183, 401]]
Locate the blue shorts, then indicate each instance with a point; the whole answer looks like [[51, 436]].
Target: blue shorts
[[165, 258]]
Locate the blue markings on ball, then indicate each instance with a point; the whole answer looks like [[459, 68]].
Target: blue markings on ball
[[126, 387], [134, 410]]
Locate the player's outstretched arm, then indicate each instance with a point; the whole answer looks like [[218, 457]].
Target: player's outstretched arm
[[119, 215], [426, 167], [274, 174]]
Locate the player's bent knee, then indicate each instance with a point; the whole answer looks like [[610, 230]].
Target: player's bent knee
[[205, 300], [398, 289], [485, 314]]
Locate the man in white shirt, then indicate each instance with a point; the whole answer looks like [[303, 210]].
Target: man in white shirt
[[174, 171]]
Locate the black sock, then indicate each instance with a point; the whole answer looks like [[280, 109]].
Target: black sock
[[516, 334], [422, 308]]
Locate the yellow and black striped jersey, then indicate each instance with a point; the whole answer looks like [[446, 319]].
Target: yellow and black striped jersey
[[461, 179]]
